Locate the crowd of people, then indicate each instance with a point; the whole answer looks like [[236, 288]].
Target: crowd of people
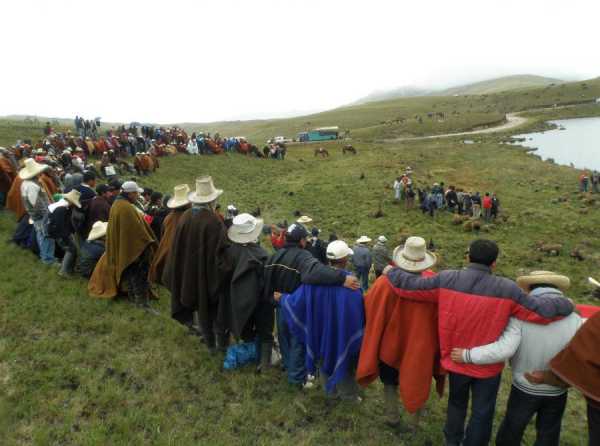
[[312, 302], [589, 182], [451, 199]]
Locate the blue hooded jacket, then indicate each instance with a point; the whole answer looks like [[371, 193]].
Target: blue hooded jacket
[[329, 320]]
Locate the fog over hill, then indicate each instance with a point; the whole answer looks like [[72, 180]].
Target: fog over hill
[[487, 86]]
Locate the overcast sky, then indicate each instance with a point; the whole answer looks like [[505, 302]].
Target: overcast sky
[[197, 61]]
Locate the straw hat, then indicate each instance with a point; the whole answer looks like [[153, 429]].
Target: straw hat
[[413, 256], [382, 239], [304, 219], [180, 196], [594, 282], [245, 229], [363, 239], [338, 249], [98, 230], [31, 169], [205, 191], [73, 197], [543, 277]]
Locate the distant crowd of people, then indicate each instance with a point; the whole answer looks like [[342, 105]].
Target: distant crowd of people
[[452, 199], [408, 326], [589, 182]]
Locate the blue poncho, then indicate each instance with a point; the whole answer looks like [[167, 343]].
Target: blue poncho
[[329, 320]]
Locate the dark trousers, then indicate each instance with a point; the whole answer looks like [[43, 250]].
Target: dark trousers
[[293, 352], [483, 393], [520, 410], [593, 413], [388, 375], [260, 325]]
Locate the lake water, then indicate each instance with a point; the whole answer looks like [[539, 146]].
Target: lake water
[[579, 143]]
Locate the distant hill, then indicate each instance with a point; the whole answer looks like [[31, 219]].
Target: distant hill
[[400, 92], [506, 83]]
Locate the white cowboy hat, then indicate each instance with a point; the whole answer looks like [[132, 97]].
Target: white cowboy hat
[[543, 277], [73, 197], [363, 239], [382, 239], [40, 151], [180, 196], [594, 282], [31, 169], [338, 249], [205, 191], [304, 219], [245, 229], [131, 186], [98, 230], [413, 256]]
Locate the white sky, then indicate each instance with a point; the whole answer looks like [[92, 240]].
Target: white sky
[[197, 61]]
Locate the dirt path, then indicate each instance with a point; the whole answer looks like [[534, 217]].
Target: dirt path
[[512, 120]]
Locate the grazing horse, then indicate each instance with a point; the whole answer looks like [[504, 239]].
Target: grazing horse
[[349, 149], [323, 153]]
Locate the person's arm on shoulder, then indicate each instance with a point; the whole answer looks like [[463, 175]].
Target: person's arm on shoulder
[[501, 350], [415, 287], [313, 272], [540, 309]]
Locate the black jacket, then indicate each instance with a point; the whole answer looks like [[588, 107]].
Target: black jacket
[[291, 266], [59, 223]]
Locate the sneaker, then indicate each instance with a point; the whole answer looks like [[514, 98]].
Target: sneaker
[[308, 385]]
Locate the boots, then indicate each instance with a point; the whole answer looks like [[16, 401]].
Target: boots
[[264, 356], [392, 409], [222, 342]]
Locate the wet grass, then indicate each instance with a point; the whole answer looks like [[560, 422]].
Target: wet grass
[[75, 370]]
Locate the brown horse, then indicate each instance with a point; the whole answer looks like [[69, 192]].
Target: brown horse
[[323, 153], [349, 149]]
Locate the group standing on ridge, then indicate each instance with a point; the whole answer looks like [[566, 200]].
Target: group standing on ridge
[[320, 311]]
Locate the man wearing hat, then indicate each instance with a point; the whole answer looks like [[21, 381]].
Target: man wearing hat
[[317, 247], [92, 249], [249, 315], [400, 344], [327, 321], [177, 205], [198, 266], [530, 347], [130, 246], [475, 306], [381, 255], [98, 207], [36, 201], [362, 261], [60, 228], [285, 271]]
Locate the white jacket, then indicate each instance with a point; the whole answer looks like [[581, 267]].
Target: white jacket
[[530, 347]]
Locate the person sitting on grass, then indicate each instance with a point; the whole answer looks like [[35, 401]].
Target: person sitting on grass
[[530, 346], [92, 249]]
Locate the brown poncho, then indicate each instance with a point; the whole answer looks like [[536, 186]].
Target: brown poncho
[[165, 245], [127, 237], [578, 364], [198, 265], [7, 174]]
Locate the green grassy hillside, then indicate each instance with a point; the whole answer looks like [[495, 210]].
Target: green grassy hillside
[[506, 83], [399, 117], [78, 371]]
